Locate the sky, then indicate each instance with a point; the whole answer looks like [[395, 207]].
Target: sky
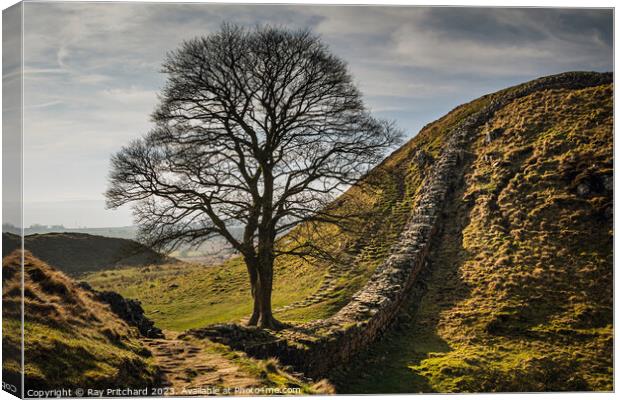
[[92, 74]]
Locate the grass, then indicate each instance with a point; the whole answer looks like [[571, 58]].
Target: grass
[[72, 252], [184, 296], [71, 340], [269, 372], [520, 293], [74, 341], [194, 365]]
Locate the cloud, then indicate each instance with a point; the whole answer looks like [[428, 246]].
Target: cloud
[[44, 105], [504, 41], [92, 69], [131, 95], [499, 41]]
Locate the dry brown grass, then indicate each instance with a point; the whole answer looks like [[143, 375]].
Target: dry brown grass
[[71, 339], [520, 294]]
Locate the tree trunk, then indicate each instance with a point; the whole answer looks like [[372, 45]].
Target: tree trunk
[[266, 319], [261, 282], [253, 272]]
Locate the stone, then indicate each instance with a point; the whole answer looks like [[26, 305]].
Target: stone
[[376, 305], [583, 189], [493, 135], [422, 159], [130, 311], [608, 183]]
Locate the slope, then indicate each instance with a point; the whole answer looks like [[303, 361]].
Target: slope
[[518, 292], [71, 339], [191, 296]]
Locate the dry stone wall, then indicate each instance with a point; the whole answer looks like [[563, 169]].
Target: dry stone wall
[[316, 347]]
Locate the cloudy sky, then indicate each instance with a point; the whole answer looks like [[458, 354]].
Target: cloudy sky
[[92, 74]]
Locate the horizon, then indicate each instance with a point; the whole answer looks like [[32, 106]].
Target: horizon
[[91, 74]]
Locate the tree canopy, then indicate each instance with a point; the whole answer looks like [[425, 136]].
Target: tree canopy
[[256, 128]]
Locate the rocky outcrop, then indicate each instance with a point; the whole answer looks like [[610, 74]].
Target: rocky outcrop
[[422, 159], [316, 347], [493, 135], [128, 310]]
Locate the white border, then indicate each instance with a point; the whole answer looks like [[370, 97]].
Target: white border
[[480, 3]]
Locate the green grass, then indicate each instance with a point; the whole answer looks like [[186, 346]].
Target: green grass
[[270, 373], [519, 296], [179, 297], [73, 341], [66, 358], [183, 296], [218, 367]]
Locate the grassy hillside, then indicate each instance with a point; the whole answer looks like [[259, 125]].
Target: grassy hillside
[[518, 292], [518, 296], [71, 339], [74, 341], [76, 253], [188, 296]]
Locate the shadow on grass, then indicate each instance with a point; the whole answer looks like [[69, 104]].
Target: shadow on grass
[[385, 367]]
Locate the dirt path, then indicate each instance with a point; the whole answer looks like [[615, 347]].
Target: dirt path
[[190, 366]]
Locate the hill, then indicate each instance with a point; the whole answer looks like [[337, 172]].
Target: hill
[[123, 232], [72, 340], [517, 291], [77, 253]]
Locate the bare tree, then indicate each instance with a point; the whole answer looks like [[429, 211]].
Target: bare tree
[[259, 128]]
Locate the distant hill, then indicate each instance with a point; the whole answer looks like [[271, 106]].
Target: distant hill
[[212, 251], [77, 253], [123, 232], [72, 340]]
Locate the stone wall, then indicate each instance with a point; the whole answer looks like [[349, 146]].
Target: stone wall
[[128, 310], [316, 347]]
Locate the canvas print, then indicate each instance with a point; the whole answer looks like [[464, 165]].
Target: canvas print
[[244, 199]]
